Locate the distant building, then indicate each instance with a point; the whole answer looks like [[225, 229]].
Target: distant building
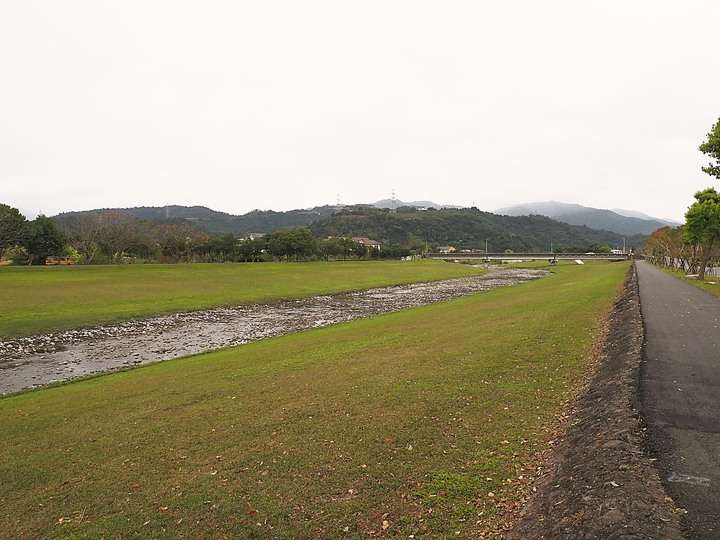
[[254, 235], [446, 249], [370, 244]]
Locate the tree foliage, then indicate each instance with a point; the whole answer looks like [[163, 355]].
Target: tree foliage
[[13, 228], [44, 239], [711, 148], [294, 244], [702, 225]]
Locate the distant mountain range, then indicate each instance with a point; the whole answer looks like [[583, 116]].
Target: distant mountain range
[[618, 221]]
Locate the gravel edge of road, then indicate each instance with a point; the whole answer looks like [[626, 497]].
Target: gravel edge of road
[[600, 482]]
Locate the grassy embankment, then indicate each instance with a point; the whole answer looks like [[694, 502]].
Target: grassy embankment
[[711, 284], [423, 422], [43, 299]]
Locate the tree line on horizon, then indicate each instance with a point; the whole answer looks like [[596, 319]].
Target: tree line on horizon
[[116, 237], [120, 237]]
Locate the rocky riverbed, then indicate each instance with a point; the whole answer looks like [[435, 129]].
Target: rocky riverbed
[[40, 360]]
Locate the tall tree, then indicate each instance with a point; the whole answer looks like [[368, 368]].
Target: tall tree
[[702, 225], [13, 227], [44, 239], [711, 148]]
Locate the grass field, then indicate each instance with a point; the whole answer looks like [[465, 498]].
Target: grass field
[[43, 299], [426, 422]]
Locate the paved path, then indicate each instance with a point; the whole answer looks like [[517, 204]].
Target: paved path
[[680, 394]]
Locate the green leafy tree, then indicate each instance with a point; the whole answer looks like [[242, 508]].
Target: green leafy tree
[[711, 148], [222, 249], [13, 228], [44, 239], [251, 249], [330, 248], [600, 248], [302, 243], [352, 248], [294, 244], [702, 225]]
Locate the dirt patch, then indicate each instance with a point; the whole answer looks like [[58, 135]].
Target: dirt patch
[[41, 360], [600, 482]]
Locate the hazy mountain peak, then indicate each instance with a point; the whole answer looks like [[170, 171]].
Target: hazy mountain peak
[[621, 222]]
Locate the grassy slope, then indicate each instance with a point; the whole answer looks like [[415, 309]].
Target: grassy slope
[[420, 422], [710, 284], [43, 299]]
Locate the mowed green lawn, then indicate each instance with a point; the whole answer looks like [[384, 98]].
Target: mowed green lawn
[[43, 299], [426, 422]]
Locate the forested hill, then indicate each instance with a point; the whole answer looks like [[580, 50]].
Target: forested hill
[[214, 222], [466, 229]]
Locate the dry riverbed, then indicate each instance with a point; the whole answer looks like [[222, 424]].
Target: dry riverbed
[[40, 360]]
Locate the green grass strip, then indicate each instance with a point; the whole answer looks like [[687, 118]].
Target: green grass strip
[[45, 299], [424, 422]]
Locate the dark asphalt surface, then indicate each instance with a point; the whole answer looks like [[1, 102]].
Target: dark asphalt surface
[[680, 394]]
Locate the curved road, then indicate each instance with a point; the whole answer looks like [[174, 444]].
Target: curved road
[[680, 394]]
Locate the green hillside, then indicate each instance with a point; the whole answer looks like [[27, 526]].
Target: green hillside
[[467, 228], [217, 223]]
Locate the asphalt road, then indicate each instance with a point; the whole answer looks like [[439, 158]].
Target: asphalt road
[[680, 394]]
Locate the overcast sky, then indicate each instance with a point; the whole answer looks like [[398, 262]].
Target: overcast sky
[[280, 105]]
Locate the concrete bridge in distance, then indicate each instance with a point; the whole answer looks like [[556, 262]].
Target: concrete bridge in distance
[[530, 256]]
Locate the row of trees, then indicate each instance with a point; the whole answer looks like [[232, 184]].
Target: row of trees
[[29, 241], [693, 246], [117, 237]]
